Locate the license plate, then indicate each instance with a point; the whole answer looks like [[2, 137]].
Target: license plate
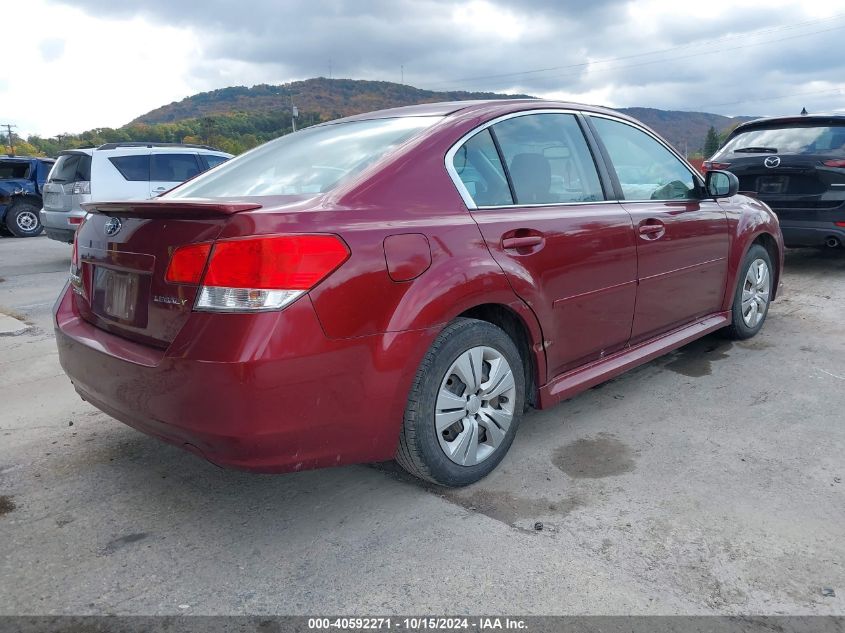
[[120, 293], [772, 184]]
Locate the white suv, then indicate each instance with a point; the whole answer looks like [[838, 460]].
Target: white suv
[[117, 171]]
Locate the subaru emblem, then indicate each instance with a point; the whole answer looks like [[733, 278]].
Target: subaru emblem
[[112, 226]]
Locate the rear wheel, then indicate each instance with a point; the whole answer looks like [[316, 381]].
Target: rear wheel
[[22, 219], [752, 295], [464, 406]]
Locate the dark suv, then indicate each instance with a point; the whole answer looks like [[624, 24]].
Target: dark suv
[[21, 181], [796, 165]]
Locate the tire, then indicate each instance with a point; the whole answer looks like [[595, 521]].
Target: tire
[[748, 319], [22, 218], [446, 386]]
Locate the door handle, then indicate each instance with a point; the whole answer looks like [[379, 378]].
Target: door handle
[[652, 229], [528, 241]]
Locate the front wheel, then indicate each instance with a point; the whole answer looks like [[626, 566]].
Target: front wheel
[[752, 295], [465, 405], [22, 219]]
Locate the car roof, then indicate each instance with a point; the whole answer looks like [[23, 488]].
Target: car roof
[[146, 149], [481, 106], [799, 119], [27, 158]]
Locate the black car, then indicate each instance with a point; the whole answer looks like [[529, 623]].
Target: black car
[[796, 165]]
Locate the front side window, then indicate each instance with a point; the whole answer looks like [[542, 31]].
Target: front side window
[[548, 159], [311, 161], [479, 168], [645, 168]]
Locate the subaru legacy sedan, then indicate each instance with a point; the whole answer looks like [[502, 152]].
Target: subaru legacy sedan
[[404, 284]]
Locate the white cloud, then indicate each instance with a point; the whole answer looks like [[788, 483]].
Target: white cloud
[[89, 71]]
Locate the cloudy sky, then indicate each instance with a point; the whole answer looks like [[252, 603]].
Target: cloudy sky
[[91, 63]]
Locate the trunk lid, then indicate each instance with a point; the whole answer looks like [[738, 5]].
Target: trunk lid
[[798, 187], [124, 250]]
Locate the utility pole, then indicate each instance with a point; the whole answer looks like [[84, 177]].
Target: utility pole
[[294, 112], [402, 73], [330, 67], [9, 138]]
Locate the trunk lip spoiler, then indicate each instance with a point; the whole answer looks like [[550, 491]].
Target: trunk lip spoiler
[[169, 208]]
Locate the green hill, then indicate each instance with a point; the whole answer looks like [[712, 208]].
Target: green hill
[[238, 118]]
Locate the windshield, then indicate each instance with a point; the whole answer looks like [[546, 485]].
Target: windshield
[[311, 161], [827, 140], [71, 168]]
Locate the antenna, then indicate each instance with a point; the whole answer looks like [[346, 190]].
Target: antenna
[[803, 111]]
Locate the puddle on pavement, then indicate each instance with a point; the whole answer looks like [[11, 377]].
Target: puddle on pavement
[[594, 458], [123, 541], [695, 360], [517, 512], [6, 505]]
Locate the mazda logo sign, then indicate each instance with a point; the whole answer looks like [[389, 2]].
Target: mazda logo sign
[[112, 226], [772, 161]]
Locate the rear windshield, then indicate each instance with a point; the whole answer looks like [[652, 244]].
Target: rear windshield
[[314, 160], [809, 140], [14, 170], [71, 168]]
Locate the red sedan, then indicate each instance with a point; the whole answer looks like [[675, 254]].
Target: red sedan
[[403, 284]]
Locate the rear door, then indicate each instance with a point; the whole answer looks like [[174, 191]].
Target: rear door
[[568, 252], [682, 240], [169, 170]]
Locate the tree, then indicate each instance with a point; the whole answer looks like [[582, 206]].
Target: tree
[[711, 142]]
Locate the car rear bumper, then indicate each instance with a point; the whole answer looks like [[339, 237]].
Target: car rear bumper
[[58, 224], [265, 392], [811, 233]]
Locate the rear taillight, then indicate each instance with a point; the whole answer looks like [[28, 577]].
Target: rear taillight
[[75, 276], [81, 187], [256, 273], [842, 224], [711, 165], [835, 163], [187, 263]]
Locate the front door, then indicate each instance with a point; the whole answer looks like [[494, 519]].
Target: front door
[[682, 239], [569, 253]]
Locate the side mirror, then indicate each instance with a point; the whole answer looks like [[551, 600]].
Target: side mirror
[[721, 184]]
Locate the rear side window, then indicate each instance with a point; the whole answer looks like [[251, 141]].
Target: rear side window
[[71, 168], [479, 168], [311, 161], [804, 139], [14, 170], [548, 159], [174, 167], [212, 161], [133, 168], [645, 168]]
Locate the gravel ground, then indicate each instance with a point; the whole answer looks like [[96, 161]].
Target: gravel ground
[[708, 481]]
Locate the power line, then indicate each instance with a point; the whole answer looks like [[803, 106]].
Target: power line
[[661, 51]]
